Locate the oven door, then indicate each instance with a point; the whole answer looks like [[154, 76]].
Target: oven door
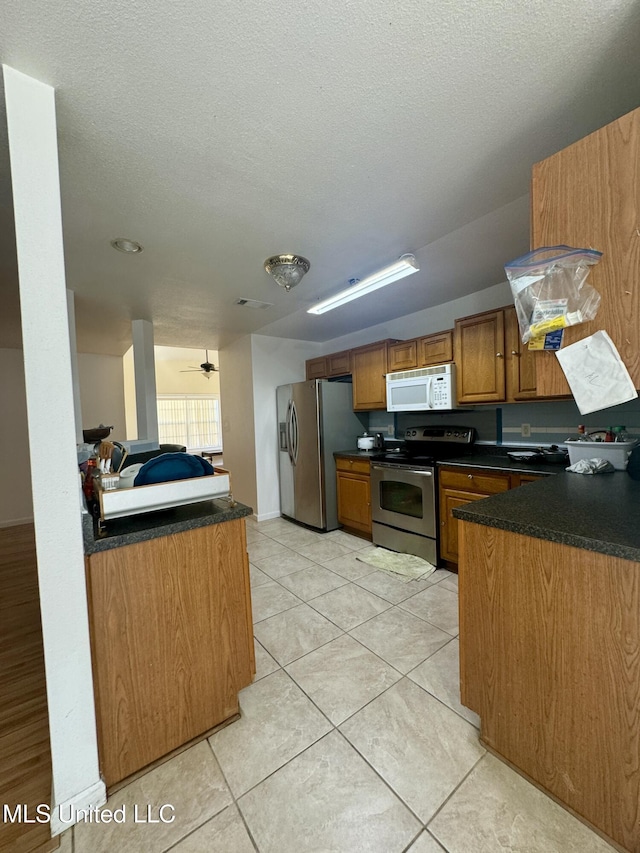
[[404, 497]]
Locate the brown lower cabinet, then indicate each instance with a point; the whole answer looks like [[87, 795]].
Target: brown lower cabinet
[[460, 486], [549, 639], [354, 494], [171, 642]]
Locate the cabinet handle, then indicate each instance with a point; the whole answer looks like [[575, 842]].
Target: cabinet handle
[[499, 355], [470, 476], [517, 354]]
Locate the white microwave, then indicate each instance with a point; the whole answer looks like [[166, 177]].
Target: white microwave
[[422, 390]]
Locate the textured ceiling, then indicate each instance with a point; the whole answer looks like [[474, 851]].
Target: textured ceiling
[[349, 132]]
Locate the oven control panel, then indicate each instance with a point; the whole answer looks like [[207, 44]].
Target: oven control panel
[[453, 434]]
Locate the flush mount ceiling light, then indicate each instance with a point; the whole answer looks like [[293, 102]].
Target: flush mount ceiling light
[[406, 265], [123, 244], [287, 270]]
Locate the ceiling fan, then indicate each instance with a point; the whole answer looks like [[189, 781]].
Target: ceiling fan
[[206, 368]]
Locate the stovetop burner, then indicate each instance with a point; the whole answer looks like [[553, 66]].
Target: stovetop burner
[[424, 446]]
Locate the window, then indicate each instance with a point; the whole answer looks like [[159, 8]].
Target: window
[[192, 421]]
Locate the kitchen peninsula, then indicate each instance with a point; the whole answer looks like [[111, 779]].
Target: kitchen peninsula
[[171, 629], [550, 639]]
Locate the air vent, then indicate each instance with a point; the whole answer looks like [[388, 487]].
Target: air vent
[[253, 303], [421, 371]]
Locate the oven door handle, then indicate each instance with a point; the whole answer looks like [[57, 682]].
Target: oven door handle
[[422, 473]]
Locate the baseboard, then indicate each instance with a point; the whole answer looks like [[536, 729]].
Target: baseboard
[[265, 516], [96, 795], [16, 522]]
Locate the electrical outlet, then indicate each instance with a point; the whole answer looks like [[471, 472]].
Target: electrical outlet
[[525, 430], [390, 429]]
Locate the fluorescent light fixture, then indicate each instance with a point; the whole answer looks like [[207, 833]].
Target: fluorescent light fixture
[[406, 265]]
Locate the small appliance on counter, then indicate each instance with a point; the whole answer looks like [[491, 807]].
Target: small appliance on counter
[[366, 441]]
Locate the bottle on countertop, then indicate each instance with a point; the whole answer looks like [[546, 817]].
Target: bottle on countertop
[[610, 435], [87, 483], [621, 434], [582, 433]]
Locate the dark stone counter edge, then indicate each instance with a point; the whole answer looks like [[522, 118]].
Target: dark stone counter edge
[[490, 462], [132, 529], [355, 454], [612, 549], [495, 462]]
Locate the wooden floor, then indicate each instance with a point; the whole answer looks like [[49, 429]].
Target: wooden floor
[[25, 755]]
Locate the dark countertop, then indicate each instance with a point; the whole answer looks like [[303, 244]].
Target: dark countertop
[[152, 525], [501, 462], [355, 454], [493, 458], [596, 512]]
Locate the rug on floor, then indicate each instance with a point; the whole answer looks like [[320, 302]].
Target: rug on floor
[[407, 565]]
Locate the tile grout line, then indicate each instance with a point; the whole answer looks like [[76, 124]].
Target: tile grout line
[[460, 783], [233, 797]]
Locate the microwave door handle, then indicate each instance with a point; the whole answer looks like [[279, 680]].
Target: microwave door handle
[[430, 391]]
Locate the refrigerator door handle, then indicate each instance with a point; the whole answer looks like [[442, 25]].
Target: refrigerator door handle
[[288, 428], [294, 433]]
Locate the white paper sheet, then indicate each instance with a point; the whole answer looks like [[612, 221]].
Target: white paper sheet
[[596, 374]]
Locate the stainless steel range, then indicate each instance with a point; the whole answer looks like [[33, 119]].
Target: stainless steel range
[[404, 489]]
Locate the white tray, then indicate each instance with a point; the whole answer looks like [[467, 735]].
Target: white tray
[[115, 503]]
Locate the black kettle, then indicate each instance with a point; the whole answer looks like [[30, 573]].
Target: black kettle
[[378, 441]]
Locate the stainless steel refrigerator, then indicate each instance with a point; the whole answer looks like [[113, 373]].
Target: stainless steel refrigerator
[[315, 418]]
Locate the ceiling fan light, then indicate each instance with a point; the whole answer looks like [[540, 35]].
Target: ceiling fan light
[[405, 265], [287, 270]]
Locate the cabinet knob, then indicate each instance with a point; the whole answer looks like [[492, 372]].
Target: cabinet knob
[[517, 354], [470, 476], [499, 355]]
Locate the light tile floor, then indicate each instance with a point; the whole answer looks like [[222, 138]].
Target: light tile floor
[[352, 737]]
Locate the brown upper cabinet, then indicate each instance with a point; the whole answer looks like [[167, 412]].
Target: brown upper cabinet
[[435, 349], [520, 363], [421, 352], [339, 363], [369, 371], [316, 368], [479, 347], [327, 366], [492, 364], [588, 196], [403, 356]]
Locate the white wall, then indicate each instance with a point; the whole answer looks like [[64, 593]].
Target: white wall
[[102, 393], [250, 371], [276, 361], [15, 483], [435, 319], [238, 431]]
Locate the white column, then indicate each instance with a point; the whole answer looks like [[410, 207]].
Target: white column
[[145, 378], [75, 379], [50, 410]]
